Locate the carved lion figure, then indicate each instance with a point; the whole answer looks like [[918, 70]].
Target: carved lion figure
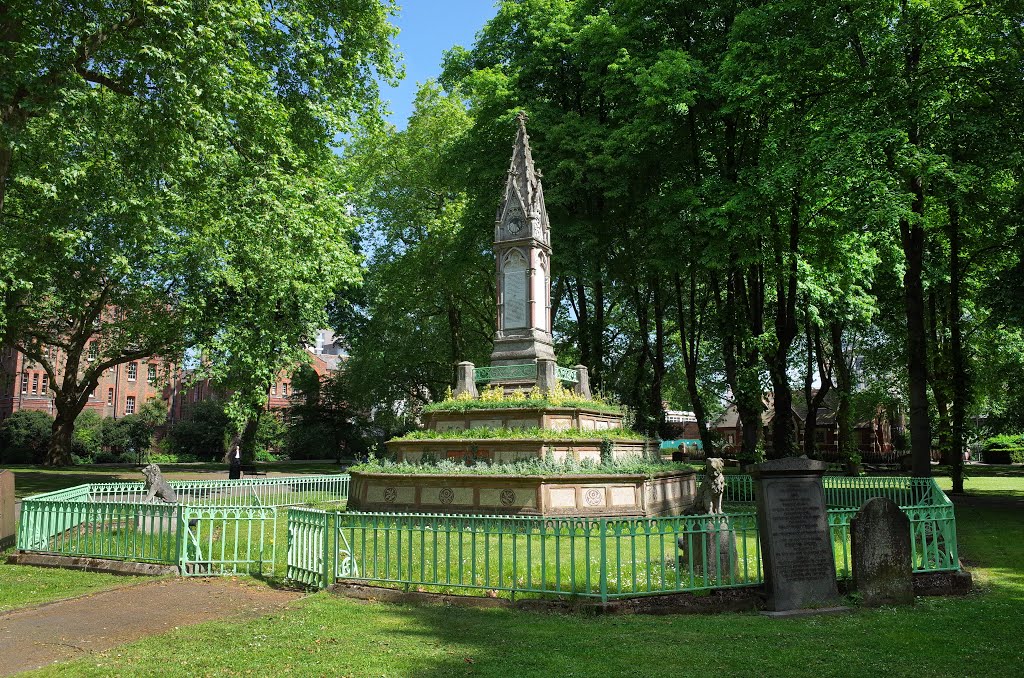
[[712, 486], [157, 486]]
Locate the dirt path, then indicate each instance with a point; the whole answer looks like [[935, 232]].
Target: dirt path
[[67, 629]]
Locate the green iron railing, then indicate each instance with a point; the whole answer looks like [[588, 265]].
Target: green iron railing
[[226, 540], [309, 547], [527, 371], [141, 532], [203, 534], [602, 558], [505, 372], [567, 375], [247, 491]]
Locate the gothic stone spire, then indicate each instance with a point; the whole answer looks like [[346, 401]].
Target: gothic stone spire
[[522, 248]]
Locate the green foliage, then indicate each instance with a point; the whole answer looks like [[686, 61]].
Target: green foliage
[[203, 434], [171, 458], [533, 467], [24, 436], [534, 433], [270, 436], [175, 162], [322, 423], [126, 439], [88, 440], [427, 302]]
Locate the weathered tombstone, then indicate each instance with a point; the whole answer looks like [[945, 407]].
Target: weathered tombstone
[[7, 523], [713, 547], [796, 546], [880, 539]]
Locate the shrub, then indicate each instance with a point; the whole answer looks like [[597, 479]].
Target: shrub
[[529, 467], [170, 458], [87, 442], [1003, 449], [201, 435], [24, 437]]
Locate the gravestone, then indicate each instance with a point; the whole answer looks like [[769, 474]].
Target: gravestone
[[713, 546], [882, 570], [796, 547], [7, 522]]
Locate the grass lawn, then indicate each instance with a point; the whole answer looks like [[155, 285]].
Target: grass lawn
[[979, 635], [22, 585]]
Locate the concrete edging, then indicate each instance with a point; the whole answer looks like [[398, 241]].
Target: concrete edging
[[92, 564]]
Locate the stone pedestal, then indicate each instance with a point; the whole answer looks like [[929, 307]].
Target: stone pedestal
[[547, 378], [880, 540], [582, 382], [796, 547], [465, 379], [7, 522]]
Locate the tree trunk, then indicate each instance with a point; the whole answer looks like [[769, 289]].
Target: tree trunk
[[689, 345], [844, 445], [62, 435], [961, 387], [597, 328], [659, 354], [583, 323], [912, 238]]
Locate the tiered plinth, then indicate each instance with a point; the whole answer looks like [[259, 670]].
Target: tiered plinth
[[587, 495]]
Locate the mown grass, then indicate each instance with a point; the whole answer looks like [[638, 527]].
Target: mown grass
[[978, 635], [23, 585]]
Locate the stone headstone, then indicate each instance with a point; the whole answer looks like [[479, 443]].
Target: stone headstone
[[7, 522], [796, 546], [713, 546], [880, 539]]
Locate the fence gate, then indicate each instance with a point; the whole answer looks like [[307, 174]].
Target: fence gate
[[308, 547], [227, 540]]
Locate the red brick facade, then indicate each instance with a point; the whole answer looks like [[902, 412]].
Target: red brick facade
[[123, 389]]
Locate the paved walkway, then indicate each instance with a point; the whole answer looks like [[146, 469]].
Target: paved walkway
[[34, 637]]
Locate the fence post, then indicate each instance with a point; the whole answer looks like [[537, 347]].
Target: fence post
[[181, 541], [325, 567], [603, 571]]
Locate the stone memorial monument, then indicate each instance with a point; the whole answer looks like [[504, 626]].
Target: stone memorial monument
[[796, 547], [7, 522], [880, 539]]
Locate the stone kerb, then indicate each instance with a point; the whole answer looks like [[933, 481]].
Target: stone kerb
[[7, 522], [880, 543], [796, 546]]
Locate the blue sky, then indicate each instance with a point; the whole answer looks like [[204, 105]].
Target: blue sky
[[427, 28]]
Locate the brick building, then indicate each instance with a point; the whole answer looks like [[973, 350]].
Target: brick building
[[25, 385], [123, 389]]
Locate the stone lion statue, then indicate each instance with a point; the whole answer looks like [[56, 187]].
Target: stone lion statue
[[157, 486], [712, 486]]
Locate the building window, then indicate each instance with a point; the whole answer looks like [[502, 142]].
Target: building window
[[151, 373], [284, 389], [94, 351], [273, 389], [35, 383], [46, 384], [129, 405], [110, 396], [24, 383], [133, 371]]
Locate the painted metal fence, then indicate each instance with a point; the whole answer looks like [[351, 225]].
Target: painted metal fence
[[285, 491], [219, 527], [603, 558], [309, 538], [613, 558]]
